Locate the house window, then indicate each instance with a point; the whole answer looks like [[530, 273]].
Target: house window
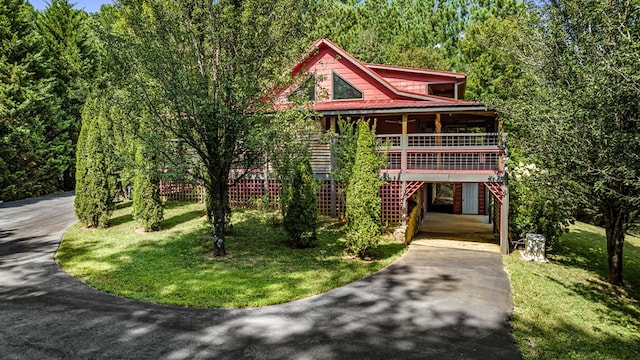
[[306, 91], [442, 89], [343, 90]]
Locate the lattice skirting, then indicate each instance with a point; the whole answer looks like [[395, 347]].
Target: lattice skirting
[[250, 193]]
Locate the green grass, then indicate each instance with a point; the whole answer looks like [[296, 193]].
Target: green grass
[[566, 310], [172, 266]]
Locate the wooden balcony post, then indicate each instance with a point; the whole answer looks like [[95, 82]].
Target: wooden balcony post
[[438, 139], [504, 213], [333, 212], [404, 143], [504, 219]]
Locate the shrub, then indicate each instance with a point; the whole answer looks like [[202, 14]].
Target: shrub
[[300, 216], [539, 204], [94, 196], [147, 205], [363, 195]]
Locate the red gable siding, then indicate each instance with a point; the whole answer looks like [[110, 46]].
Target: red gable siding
[[382, 86], [327, 61], [412, 82]]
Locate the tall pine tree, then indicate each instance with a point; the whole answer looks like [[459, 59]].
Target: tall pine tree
[[29, 140]]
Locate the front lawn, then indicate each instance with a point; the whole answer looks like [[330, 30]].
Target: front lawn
[[172, 266], [566, 310]]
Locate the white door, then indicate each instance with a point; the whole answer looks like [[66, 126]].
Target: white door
[[470, 198]]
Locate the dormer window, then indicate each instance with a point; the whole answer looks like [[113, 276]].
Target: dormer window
[[342, 90], [442, 89], [306, 91]]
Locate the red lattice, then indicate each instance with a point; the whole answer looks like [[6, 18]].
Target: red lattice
[[391, 196], [326, 201], [248, 193], [181, 192]]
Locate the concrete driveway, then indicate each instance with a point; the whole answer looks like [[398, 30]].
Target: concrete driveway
[[434, 303]]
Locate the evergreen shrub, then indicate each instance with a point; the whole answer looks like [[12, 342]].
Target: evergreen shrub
[[147, 205], [94, 196], [300, 215], [363, 205]]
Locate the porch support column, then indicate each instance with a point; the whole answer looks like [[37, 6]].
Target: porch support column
[[332, 123], [504, 213], [504, 219], [438, 139], [404, 143], [332, 183]]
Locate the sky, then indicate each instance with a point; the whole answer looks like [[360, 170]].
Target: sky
[[87, 5]]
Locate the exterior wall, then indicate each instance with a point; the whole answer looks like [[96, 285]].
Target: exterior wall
[[327, 62], [412, 82], [481, 199], [457, 198]]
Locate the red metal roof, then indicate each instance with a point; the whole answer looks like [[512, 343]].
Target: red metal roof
[[388, 104]]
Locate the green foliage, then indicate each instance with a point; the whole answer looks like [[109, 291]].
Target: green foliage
[[300, 198], [578, 116], [540, 204], [94, 187], [31, 142], [343, 149], [147, 205], [490, 50], [363, 195], [70, 47], [200, 69]]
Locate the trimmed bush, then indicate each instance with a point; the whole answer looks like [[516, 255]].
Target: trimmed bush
[[94, 197], [300, 218], [147, 206], [363, 204]]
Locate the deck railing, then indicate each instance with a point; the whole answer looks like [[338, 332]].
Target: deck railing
[[444, 152]]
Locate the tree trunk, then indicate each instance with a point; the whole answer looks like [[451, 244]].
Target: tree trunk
[[217, 208], [615, 221]]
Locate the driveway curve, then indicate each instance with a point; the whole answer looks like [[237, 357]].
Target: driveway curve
[[433, 303]]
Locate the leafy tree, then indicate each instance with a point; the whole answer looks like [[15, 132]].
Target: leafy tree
[[363, 195], [94, 187], [147, 205], [201, 68], [300, 196], [580, 118]]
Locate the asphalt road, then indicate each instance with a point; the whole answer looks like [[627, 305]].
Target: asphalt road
[[434, 303]]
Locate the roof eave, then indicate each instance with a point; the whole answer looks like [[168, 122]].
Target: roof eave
[[406, 110]]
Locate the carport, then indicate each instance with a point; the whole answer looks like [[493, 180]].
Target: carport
[[473, 232]]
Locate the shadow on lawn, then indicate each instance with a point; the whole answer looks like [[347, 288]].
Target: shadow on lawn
[[260, 266], [573, 342], [588, 250]]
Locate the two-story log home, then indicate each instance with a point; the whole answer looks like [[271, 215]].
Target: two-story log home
[[435, 136], [432, 136]]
